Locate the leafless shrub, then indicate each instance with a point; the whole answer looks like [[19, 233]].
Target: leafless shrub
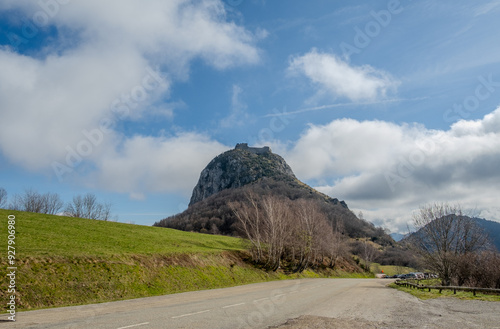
[[481, 269]]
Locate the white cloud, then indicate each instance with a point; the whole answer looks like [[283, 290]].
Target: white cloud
[[336, 77], [46, 104], [387, 170], [156, 164], [99, 67], [238, 115]]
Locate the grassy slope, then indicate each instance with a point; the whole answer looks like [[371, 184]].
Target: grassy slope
[[390, 269], [47, 235], [67, 261]]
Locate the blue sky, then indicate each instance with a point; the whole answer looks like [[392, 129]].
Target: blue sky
[[388, 105]]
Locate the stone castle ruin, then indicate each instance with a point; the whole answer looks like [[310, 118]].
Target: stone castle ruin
[[254, 150]]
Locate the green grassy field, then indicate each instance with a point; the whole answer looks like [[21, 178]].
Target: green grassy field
[[47, 235], [390, 269], [68, 261]]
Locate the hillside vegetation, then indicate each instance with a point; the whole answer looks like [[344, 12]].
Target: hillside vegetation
[[214, 215], [67, 261], [233, 175], [252, 193]]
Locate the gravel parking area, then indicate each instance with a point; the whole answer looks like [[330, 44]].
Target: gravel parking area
[[396, 309]]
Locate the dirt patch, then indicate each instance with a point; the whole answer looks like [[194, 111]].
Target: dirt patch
[[318, 322]]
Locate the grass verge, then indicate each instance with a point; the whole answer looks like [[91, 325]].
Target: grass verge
[[465, 295], [62, 281]]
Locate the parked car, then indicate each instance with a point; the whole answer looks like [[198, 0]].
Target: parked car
[[419, 275]]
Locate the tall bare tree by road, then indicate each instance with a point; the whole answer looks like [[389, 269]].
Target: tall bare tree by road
[[249, 219], [276, 216], [281, 231], [310, 234], [445, 235]]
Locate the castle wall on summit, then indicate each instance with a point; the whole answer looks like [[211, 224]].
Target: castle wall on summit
[[254, 150]]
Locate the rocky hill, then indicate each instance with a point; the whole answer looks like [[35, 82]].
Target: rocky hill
[[238, 167], [233, 174]]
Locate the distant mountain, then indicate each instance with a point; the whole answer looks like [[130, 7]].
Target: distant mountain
[[492, 229], [397, 236], [231, 175]]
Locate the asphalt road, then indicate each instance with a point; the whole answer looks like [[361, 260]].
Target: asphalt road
[[311, 303]]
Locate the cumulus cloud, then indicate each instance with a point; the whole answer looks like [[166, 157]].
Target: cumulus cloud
[[338, 78], [379, 167], [109, 61], [157, 164], [46, 104]]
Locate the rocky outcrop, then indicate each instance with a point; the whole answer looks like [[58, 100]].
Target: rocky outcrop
[[238, 167]]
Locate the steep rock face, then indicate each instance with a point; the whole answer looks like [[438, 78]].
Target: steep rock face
[[238, 167]]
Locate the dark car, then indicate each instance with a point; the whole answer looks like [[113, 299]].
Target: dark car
[[407, 276]]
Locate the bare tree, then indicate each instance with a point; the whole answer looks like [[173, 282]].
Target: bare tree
[[249, 218], [310, 233], [276, 216], [369, 253], [335, 242], [266, 223], [32, 201], [301, 243], [445, 235], [75, 208], [281, 232], [3, 197], [86, 206], [106, 211], [52, 203]]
